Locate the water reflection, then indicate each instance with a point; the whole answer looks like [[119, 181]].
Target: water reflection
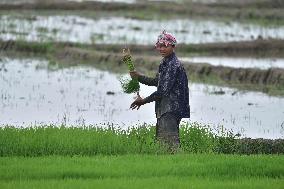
[[107, 1], [32, 92], [238, 62], [113, 30]]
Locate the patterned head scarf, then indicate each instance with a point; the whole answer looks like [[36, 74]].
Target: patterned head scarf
[[166, 39]]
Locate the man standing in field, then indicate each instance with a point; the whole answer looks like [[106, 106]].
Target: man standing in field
[[171, 97]]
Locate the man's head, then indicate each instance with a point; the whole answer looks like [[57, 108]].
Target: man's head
[[165, 44]]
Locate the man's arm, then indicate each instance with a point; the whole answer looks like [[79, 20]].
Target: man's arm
[[140, 101], [144, 79], [166, 83]]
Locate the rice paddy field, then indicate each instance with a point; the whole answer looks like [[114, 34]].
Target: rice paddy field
[[143, 171], [65, 120], [69, 157]]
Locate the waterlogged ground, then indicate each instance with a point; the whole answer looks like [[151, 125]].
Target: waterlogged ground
[[33, 92], [136, 1], [237, 62], [36, 92], [108, 1], [120, 30]]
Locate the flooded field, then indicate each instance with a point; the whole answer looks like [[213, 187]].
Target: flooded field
[[61, 63], [238, 62], [112, 1], [108, 1], [120, 30], [33, 91]]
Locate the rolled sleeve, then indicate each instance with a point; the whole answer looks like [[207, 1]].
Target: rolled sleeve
[[153, 97]]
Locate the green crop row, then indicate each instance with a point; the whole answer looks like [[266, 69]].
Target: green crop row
[[143, 171], [110, 140]]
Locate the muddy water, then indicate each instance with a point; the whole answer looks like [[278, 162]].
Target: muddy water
[[238, 62], [107, 1], [113, 30], [35, 92]]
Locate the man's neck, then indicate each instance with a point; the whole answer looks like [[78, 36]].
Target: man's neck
[[169, 56]]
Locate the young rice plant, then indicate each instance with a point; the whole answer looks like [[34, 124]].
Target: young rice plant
[[129, 85]]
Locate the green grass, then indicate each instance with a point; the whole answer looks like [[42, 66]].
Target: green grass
[[110, 140], [143, 171], [92, 140]]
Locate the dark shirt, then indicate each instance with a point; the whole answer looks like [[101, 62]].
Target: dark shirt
[[172, 88]]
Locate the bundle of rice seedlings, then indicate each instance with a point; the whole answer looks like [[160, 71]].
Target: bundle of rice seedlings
[[129, 85], [127, 59]]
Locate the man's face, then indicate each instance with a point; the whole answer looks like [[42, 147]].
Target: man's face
[[165, 50]]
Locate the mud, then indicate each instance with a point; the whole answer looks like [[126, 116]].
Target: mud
[[256, 48], [259, 47], [272, 76]]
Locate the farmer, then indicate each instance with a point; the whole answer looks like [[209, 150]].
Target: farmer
[[171, 96]]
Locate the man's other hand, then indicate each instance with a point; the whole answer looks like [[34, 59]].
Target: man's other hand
[[137, 103]]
